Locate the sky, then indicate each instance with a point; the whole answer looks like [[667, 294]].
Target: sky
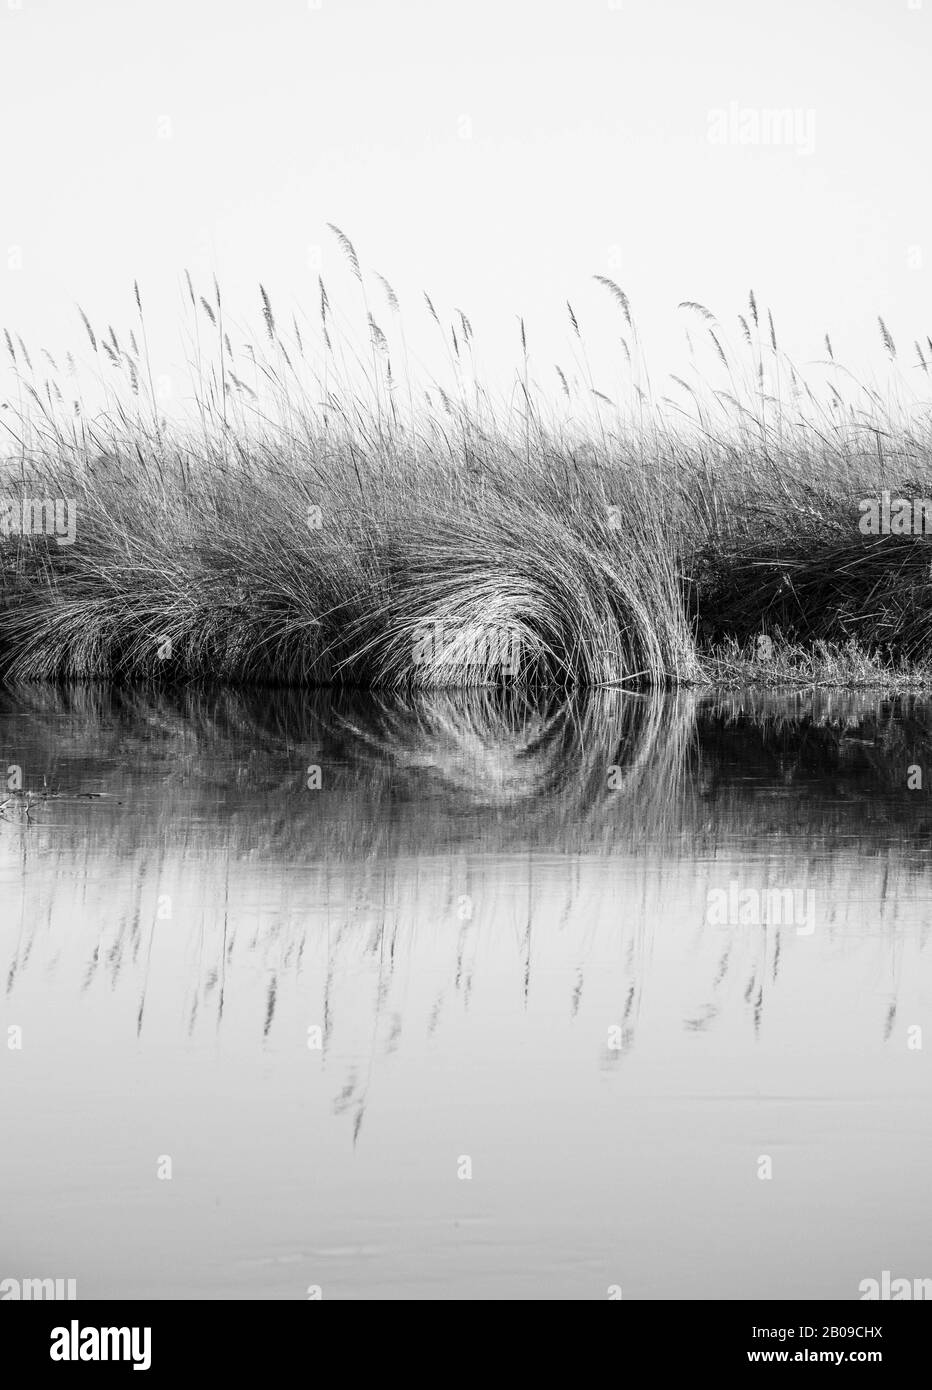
[[498, 154]]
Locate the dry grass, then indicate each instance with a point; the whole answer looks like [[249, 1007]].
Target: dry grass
[[321, 512]]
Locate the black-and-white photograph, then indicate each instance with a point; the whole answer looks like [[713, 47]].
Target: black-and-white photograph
[[465, 663]]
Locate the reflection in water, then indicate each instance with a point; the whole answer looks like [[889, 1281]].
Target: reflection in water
[[325, 947]]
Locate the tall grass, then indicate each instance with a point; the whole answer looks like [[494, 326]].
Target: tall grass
[[323, 508]]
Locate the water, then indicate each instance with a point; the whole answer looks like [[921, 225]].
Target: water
[[456, 1023]]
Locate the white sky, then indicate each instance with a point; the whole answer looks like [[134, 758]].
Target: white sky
[[589, 154]]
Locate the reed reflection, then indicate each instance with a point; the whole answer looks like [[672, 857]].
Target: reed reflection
[[258, 847]]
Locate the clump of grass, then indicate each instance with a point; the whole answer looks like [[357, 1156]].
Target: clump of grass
[[314, 524], [779, 663], [876, 591], [219, 575]]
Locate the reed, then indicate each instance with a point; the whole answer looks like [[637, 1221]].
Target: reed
[[325, 517]]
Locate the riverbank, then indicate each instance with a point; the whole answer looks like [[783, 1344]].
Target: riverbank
[[327, 566], [325, 529]]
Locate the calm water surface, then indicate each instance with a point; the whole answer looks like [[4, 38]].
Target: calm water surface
[[455, 1023]]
